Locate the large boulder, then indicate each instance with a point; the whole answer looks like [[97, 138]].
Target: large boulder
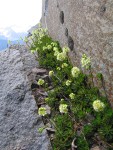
[[19, 120]]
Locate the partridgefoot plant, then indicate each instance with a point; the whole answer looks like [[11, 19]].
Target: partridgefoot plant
[[81, 117]]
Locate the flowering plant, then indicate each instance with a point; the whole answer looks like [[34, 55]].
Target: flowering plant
[[64, 65], [51, 73], [42, 111], [40, 82], [63, 108], [65, 49], [68, 82], [98, 105], [85, 61], [61, 56], [72, 95], [75, 71]]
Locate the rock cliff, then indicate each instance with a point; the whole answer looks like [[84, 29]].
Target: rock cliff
[[86, 26]]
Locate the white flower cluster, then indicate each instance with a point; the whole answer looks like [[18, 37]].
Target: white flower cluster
[[72, 95], [65, 49], [54, 44], [32, 51], [85, 61], [42, 111], [98, 105], [63, 108], [64, 65], [49, 47], [44, 48], [61, 56], [68, 82], [56, 51], [51, 73], [58, 68], [38, 33], [75, 72], [40, 82]]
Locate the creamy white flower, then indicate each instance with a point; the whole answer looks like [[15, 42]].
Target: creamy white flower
[[51, 73], [42, 111], [32, 51], [65, 49], [44, 48], [40, 82], [68, 82], [64, 65], [49, 47], [54, 44], [56, 53], [75, 71], [55, 49], [85, 61], [63, 108], [58, 68], [37, 48], [72, 95], [61, 56], [46, 99], [62, 100], [98, 105]]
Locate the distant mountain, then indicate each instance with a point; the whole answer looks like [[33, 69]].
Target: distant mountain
[[3, 44], [11, 35]]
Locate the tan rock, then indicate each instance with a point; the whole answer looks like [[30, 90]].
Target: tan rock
[[95, 148]]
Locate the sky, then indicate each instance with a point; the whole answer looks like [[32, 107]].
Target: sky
[[19, 15]]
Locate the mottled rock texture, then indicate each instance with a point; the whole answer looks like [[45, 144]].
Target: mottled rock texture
[[19, 121], [90, 25]]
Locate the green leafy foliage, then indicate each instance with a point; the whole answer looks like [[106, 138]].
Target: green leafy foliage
[[64, 133], [82, 143], [53, 57]]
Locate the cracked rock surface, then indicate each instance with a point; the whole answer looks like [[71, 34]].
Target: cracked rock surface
[[19, 121]]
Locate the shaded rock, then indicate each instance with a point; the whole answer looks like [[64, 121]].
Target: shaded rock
[[70, 43], [34, 85], [102, 9], [47, 79], [39, 71], [50, 130], [66, 32], [95, 148], [19, 121], [62, 17]]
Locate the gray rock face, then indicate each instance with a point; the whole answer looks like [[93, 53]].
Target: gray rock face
[[19, 121], [90, 25]]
